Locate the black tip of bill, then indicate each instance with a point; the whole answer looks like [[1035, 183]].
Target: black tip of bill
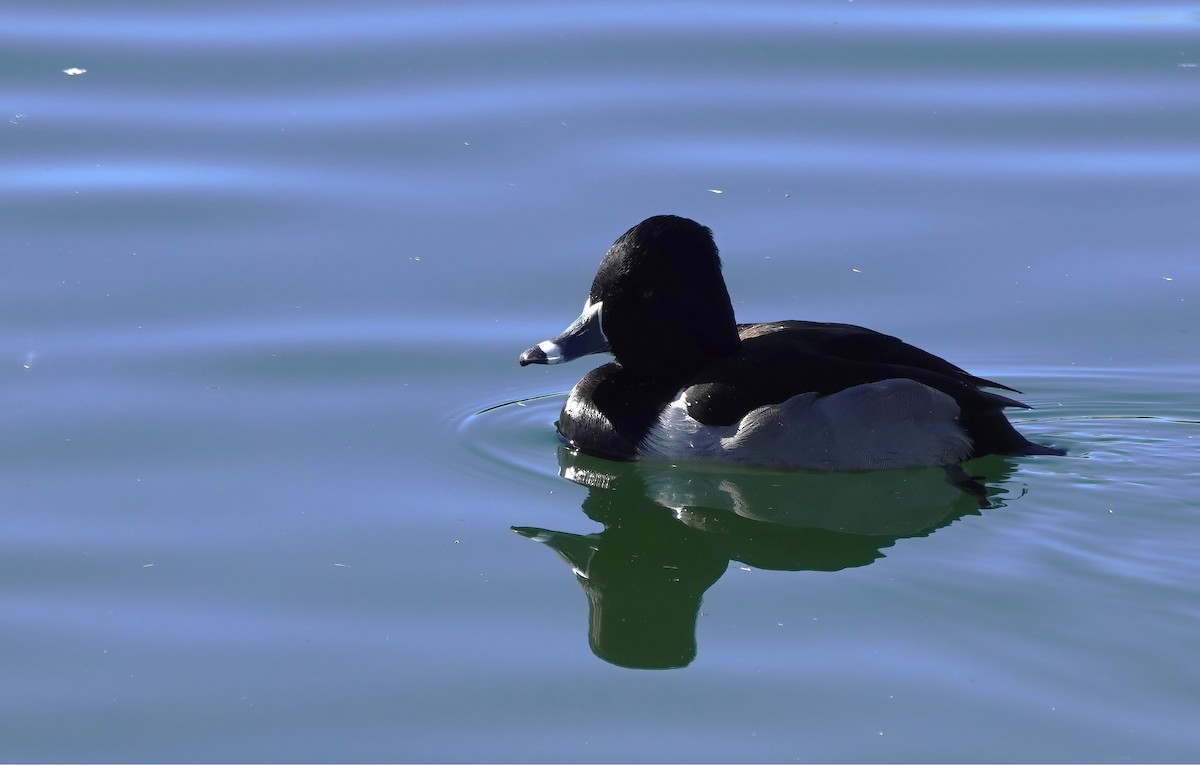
[[534, 355]]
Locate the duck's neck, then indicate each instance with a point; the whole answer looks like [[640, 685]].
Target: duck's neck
[[684, 353]]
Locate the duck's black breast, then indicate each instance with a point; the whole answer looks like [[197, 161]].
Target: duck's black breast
[[610, 410]]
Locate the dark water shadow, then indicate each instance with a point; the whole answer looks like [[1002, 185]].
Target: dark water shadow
[[670, 532]]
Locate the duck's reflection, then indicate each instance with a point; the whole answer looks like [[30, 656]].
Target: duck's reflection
[[671, 531]]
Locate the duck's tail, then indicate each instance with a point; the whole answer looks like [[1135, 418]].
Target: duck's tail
[[992, 433]]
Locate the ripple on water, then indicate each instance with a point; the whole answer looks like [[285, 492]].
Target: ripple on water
[[514, 440], [1146, 418]]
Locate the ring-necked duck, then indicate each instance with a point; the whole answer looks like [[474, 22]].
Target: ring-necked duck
[[689, 383]]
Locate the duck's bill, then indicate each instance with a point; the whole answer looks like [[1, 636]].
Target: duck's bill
[[584, 336]]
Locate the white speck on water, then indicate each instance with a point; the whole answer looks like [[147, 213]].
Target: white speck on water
[[717, 191], [74, 71]]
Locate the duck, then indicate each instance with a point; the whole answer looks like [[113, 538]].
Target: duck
[[689, 383]]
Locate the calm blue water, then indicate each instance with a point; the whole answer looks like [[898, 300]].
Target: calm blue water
[[265, 442]]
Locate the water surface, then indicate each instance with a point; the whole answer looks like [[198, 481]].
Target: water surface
[[266, 443]]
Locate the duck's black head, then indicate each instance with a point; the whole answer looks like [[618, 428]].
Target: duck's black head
[[658, 302]]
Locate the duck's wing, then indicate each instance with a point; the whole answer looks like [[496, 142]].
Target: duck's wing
[[854, 343], [783, 359]]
